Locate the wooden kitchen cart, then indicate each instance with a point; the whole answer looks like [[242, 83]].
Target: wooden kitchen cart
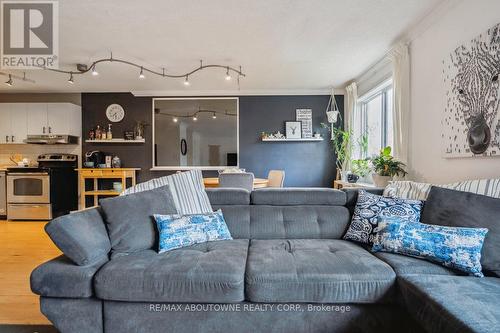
[[96, 175]]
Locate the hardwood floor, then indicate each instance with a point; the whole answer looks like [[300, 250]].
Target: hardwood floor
[[23, 246]]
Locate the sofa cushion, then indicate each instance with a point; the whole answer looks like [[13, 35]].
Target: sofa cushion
[[462, 209], [130, 222], [187, 189], [228, 196], [298, 196], [271, 222], [60, 277], [315, 270], [453, 303], [404, 265], [205, 273], [81, 236]]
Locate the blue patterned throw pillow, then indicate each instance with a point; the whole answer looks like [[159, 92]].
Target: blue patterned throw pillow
[[370, 207], [454, 247], [178, 231]]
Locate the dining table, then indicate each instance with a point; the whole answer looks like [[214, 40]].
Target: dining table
[[211, 182]]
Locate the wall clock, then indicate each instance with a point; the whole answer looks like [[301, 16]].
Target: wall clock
[[115, 113]]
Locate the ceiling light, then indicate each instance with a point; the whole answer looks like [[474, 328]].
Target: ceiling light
[[228, 77], [9, 82], [70, 80], [195, 118], [214, 116], [94, 71], [186, 81], [141, 75], [175, 119]]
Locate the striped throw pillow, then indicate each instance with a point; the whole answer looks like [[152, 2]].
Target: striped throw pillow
[[187, 189], [420, 191]]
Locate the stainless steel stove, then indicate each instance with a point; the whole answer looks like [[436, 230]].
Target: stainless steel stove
[[43, 192]]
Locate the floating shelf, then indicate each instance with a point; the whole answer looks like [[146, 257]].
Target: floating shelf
[[116, 141], [293, 140], [102, 192]]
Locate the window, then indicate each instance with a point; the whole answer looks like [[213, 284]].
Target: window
[[373, 120]]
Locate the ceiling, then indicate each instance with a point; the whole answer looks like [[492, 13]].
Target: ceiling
[[283, 45]]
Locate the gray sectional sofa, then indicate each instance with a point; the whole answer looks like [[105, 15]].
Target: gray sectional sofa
[[287, 270]]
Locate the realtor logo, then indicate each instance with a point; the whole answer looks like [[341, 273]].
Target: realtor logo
[[30, 34]]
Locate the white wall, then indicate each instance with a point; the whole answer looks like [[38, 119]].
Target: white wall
[[459, 24]]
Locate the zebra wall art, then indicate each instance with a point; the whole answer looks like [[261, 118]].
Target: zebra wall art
[[471, 122]]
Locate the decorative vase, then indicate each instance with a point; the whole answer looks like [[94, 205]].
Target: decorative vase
[[352, 178], [380, 181], [343, 175]]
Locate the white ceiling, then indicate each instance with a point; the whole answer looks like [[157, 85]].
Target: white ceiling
[[283, 45]]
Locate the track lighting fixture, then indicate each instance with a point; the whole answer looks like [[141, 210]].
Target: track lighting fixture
[[70, 80], [195, 118], [214, 116], [9, 82], [175, 119], [83, 69]]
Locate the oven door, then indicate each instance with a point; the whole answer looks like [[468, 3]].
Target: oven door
[[26, 187]]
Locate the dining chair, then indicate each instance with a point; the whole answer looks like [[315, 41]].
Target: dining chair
[[276, 178], [237, 180]]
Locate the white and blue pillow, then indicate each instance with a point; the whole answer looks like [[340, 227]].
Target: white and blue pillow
[[177, 231], [454, 247], [370, 207], [188, 191]]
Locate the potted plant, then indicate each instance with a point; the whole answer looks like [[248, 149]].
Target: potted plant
[[386, 167], [360, 168], [341, 142]]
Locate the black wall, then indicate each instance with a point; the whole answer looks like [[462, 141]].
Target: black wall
[[305, 163]]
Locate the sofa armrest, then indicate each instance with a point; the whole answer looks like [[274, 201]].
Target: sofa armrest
[[60, 277]]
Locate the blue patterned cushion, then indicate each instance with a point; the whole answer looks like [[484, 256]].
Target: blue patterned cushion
[[178, 231], [454, 247], [371, 206]]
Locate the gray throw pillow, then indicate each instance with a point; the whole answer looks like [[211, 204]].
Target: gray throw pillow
[[130, 221], [462, 209], [81, 236]]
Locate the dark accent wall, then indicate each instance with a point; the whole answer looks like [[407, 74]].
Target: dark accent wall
[[305, 163]]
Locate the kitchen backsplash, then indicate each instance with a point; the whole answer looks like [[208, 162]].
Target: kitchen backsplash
[[32, 151]]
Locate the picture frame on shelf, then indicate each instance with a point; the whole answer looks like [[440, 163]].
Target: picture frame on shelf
[[305, 117], [293, 129]]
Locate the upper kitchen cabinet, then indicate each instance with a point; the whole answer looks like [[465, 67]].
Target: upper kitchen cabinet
[[54, 118], [13, 122]]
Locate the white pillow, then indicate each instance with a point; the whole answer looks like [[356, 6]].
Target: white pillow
[[419, 191], [188, 191]]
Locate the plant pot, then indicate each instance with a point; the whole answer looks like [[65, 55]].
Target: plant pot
[[352, 178], [380, 181]]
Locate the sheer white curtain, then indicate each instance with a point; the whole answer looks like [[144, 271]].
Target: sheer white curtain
[[400, 58], [351, 104]]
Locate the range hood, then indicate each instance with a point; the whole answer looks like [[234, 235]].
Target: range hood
[[51, 139]]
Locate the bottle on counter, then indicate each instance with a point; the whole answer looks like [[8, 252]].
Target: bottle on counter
[[98, 133], [109, 135]]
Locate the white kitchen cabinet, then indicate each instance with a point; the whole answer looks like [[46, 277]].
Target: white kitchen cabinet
[[37, 118], [13, 122], [54, 118]]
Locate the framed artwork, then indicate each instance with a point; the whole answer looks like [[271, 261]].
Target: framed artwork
[[293, 129], [471, 117], [305, 117]]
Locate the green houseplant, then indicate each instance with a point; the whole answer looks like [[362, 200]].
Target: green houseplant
[[341, 143], [385, 167]]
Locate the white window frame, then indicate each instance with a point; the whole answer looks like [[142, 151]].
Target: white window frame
[[363, 101]]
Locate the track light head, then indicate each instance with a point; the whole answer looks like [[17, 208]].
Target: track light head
[[195, 118], [94, 71], [70, 80], [186, 81], [9, 82], [228, 76], [141, 75], [175, 119], [214, 116]]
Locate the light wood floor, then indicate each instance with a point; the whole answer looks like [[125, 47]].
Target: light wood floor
[[23, 246]]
